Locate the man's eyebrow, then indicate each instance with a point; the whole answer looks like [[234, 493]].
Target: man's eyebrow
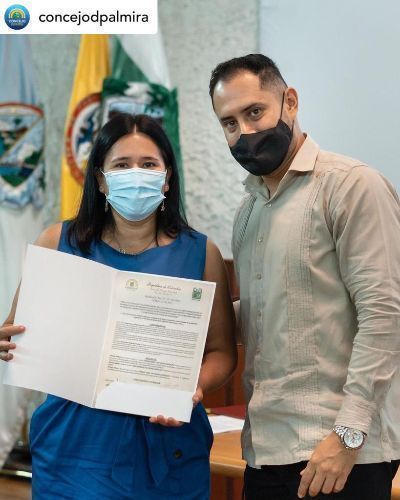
[[225, 118], [247, 108]]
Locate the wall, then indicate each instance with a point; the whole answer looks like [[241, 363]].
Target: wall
[[55, 59], [342, 57]]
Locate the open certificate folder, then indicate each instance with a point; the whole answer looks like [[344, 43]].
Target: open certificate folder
[[109, 339]]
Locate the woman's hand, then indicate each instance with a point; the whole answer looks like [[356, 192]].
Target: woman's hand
[[6, 332], [165, 421], [197, 396], [171, 422]]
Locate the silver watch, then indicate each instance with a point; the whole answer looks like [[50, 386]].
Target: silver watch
[[352, 439]]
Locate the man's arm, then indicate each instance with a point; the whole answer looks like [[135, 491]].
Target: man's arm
[[366, 230], [365, 215]]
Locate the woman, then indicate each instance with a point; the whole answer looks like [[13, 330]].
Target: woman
[[130, 218]]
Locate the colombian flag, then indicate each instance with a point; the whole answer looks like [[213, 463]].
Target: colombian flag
[[82, 123]]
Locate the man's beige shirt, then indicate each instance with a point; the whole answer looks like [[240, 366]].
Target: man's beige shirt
[[319, 272]]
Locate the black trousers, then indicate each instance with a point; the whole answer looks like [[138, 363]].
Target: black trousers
[[281, 482]]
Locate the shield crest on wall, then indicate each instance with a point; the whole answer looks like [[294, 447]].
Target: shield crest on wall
[[22, 176]]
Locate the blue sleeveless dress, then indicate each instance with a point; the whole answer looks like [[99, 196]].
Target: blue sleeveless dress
[[80, 453]]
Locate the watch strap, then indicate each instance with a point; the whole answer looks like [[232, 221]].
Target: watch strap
[[341, 430]]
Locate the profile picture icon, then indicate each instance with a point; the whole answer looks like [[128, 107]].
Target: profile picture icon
[[17, 17]]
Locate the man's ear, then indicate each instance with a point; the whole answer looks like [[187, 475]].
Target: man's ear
[[292, 102]]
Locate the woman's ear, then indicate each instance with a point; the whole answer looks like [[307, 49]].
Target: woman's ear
[[101, 182], [167, 178]]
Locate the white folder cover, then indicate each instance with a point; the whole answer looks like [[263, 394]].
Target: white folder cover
[[116, 340]]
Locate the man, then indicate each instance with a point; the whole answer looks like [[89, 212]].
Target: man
[[316, 247]]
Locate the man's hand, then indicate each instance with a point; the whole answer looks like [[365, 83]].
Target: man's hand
[[328, 468]]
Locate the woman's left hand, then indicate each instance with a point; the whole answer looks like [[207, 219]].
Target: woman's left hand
[[171, 422], [197, 396], [165, 421]]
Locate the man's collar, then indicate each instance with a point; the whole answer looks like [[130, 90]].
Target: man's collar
[[304, 161], [305, 158]]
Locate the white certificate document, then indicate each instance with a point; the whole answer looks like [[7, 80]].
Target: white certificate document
[[109, 339]]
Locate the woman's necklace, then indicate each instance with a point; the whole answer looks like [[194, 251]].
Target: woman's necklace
[[125, 252]]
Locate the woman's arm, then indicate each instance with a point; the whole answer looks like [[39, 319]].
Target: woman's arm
[[48, 239], [220, 354]]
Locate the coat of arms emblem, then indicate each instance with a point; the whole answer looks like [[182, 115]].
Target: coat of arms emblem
[[22, 178]]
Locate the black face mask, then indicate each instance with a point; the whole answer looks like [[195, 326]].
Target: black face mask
[[263, 152]]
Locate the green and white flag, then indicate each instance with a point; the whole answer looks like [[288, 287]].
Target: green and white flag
[[140, 58], [140, 83]]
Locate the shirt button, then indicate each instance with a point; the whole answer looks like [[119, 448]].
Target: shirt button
[[269, 205], [258, 276], [258, 350], [260, 239], [259, 314], [178, 453]]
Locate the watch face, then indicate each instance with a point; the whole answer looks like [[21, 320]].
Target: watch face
[[353, 438]]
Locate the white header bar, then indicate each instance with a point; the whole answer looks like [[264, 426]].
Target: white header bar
[[74, 17]]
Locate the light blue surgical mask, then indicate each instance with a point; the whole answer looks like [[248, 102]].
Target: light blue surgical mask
[[135, 193]]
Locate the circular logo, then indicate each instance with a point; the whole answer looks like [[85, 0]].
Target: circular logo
[[17, 17], [81, 132]]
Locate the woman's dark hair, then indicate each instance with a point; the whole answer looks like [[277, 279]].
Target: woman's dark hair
[[91, 220]]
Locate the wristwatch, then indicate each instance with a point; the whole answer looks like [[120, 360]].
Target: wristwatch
[[352, 439]]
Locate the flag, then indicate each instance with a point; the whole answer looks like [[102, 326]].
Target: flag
[[140, 58], [140, 83], [22, 184], [82, 122]]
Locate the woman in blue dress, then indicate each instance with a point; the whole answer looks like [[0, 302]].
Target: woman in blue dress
[[131, 218]]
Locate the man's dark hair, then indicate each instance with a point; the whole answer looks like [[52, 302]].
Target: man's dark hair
[[257, 64]]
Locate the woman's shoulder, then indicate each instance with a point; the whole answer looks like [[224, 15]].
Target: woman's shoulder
[[212, 250], [197, 234], [192, 238], [214, 265], [209, 244], [50, 237], [193, 234]]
